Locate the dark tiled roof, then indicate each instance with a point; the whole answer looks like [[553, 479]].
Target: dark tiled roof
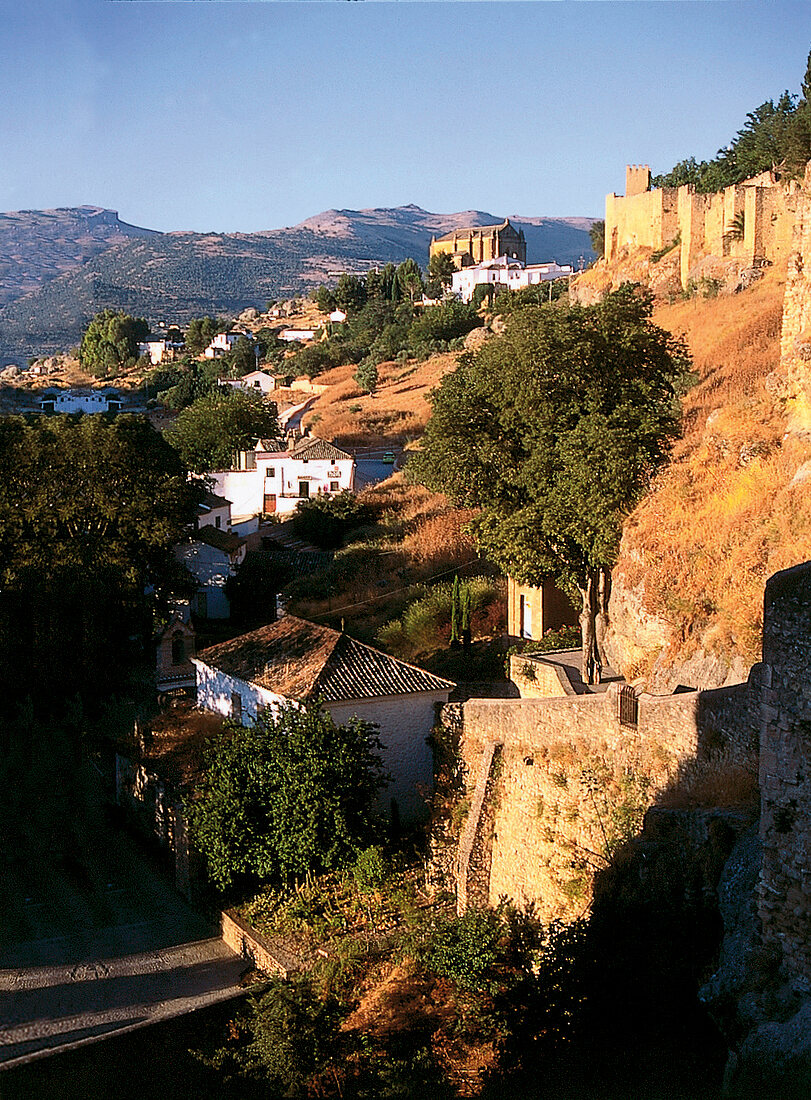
[[220, 540], [319, 448], [211, 500], [301, 660]]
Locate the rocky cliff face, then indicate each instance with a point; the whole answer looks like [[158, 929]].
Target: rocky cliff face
[[734, 505]]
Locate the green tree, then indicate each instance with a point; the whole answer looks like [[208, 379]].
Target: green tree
[[350, 293], [209, 433], [597, 237], [442, 267], [290, 796], [241, 359], [110, 342], [408, 280], [324, 299], [554, 431], [201, 331], [90, 508], [366, 375]]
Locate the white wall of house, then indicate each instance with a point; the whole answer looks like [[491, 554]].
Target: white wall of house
[[405, 723], [216, 691], [258, 381], [211, 568], [279, 475], [296, 335], [511, 274], [70, 402]]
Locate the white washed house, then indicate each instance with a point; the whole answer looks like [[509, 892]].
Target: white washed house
[[223, 342], [292, 661], [83, 401], [506, 272], [258, 381], [159, 350], [270, 479], [212, 556], [296, 335]]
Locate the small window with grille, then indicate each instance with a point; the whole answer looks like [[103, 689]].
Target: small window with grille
[[628, 707]]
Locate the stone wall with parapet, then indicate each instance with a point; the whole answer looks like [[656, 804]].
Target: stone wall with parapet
[[785, 771], [571, 784], [705, 224]]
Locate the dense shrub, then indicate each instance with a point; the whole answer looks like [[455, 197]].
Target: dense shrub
[[324, 521], [426, 624]]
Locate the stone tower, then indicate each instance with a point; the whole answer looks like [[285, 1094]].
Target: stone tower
[[637, 179]]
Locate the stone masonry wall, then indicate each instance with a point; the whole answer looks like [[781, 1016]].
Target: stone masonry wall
[[572, 785], [795, 341], [785, 770]]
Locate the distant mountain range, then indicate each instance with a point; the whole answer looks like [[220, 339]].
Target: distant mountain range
[[60, 267]]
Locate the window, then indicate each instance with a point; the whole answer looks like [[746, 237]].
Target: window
[[628, 707], [334, 486], [236, 706], [270, 471], [217, 522], [250, 460]]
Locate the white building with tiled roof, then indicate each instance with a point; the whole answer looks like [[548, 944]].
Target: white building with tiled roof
[[270, 479], [212, 555], [292, 661]]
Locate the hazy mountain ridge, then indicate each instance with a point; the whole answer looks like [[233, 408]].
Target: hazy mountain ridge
[[175, 276], [38, 245]]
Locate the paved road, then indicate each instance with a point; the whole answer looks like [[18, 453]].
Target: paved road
[[48, 1008], [100, 945]]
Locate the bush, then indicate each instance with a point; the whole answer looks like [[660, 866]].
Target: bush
[[426, 624], [324, 521], [292, 795], [444, 322]]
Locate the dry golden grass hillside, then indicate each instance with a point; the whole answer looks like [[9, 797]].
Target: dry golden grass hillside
[[397, 411], [729, 510]]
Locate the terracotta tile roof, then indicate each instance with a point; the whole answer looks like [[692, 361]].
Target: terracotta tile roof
[[319, 448], [211, 500], [226, 541], [301, 660]]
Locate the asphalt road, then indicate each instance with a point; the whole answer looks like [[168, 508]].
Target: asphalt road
[[98, 947]]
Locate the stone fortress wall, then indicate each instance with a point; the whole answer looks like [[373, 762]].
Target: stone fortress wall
[[552, 786], [784, 897], [705, 225]]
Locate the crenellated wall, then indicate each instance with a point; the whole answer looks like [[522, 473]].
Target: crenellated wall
[[705, 224]]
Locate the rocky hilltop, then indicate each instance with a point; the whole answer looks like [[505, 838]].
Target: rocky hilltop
[[175, 276]]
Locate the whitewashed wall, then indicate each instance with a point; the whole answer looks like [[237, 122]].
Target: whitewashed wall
[[405, 723], [215, 688]]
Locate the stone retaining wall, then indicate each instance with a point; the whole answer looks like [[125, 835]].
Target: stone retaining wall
[[784, 901], [572, 784], [245, 941]]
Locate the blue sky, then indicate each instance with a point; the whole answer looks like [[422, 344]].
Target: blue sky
[[233, 116]]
